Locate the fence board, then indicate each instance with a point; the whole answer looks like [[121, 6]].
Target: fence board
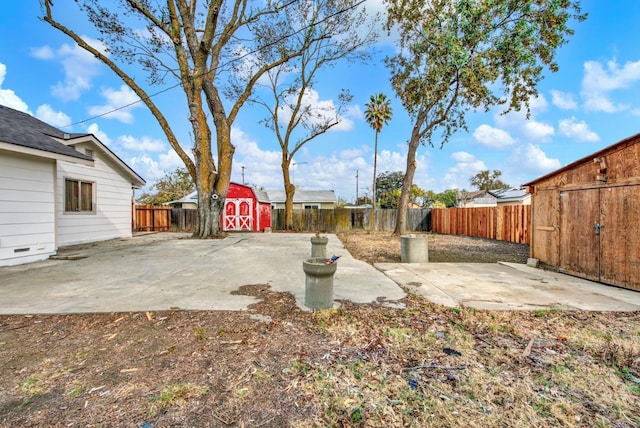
[[509, 223], [153, 218], [183, 220], [345, 219]]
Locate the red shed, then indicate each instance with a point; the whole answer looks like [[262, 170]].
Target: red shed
[[246, 208]]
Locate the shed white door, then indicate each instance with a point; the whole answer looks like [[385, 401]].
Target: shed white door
[[237, 214]]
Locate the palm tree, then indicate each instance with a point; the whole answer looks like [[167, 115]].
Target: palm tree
[[377, 114]]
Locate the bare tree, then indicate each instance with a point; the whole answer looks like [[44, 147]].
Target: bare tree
[[293, 116], [215, 51]]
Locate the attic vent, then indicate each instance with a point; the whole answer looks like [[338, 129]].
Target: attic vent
[[66, 136], [89, 153]]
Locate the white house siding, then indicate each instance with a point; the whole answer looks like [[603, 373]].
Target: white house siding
[[112, 217], [27, 218]]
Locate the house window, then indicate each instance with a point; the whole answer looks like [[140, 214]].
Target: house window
[[311, 207], [78, 196]]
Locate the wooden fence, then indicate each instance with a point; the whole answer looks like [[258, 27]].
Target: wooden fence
[[510, 223], [345, 219], [152, 218], [183, 220]]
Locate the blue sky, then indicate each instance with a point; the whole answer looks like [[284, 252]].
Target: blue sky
[[592, 102]]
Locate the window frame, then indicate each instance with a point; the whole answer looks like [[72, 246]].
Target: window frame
[[80, 196]]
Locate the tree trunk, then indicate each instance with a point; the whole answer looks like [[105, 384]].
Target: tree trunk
[[407, 181], [374, 199], [289, 192], [209, 215]]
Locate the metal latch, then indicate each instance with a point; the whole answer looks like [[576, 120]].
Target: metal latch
[[597, 228]]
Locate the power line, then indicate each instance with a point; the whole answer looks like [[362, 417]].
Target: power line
[[325, 19]]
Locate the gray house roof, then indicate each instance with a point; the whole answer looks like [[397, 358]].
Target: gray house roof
[[22, 129], [303, 196], [512, 194]]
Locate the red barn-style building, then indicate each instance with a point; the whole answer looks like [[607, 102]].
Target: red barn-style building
[[245, 209]]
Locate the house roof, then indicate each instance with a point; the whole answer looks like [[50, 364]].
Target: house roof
[[475, 194], [303, 196], [136, 180], [21, 129], [512, 194], [629, 141]]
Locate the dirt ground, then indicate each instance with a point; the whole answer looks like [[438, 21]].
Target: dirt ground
[[361, 365]]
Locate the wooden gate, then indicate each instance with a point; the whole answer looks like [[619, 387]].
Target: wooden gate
[[579, 237], [620, 236], [599, 236], [238, 214]]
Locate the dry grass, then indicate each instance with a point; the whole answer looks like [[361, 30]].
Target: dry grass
[[362, 365], [431, 366]]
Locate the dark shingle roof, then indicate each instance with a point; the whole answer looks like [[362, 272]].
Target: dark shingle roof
[[24, 130]]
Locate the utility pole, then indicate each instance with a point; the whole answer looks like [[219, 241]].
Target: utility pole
[[242, 174], [357, 187]]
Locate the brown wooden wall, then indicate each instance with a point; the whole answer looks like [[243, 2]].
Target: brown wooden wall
[[510, 223], [586, 216], [153, 218]]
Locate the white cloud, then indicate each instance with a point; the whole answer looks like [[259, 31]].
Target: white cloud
[[320, 111], [43, 52], [492, 137], [598, 81], [354, 111], [99, 134], [143, 144], [537, 131], [170, 161], [579, 131], [563, 100], [533, 159], [457, 177], [54, 118], [528, 129], [116, 102], [152, 170], [147, 167], [336, 171], [8, 97], [80, 67]]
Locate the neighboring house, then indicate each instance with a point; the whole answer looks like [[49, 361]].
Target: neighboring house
[[493, 198], [586, 216], [58, 189], [304, 199], [513, 196], [245, 208], [188, 202], [479, 198]]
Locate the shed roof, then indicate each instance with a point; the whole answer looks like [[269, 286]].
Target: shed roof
[[192, 197], [634, 139], [303, 196]]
